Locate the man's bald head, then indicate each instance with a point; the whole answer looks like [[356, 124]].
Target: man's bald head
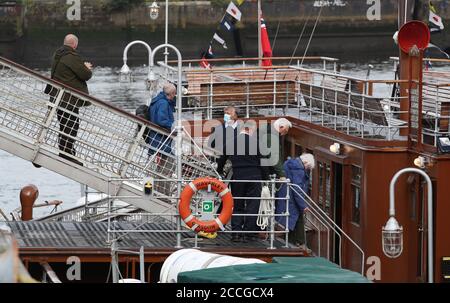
[[71, 40]]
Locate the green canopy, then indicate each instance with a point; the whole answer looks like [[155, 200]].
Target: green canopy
[[282, 270]]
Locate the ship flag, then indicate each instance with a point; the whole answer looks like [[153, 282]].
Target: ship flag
[[210, 52], [205, 56], [234, 11], [205, 64], [265, 44], [435, 21], [227, 24], [220, 41]]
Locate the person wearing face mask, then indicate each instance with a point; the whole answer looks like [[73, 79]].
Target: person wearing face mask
[[224, 133], [245, 159], [220, 135]]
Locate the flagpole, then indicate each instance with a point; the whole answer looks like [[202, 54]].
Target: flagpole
[[259, 33], [166, 33]]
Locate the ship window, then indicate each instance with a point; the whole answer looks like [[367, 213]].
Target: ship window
[[324, 186], [356, 194], [327, 189], [321, 176]]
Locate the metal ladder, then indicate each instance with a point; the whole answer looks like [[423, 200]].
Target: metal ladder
[[110, 142]]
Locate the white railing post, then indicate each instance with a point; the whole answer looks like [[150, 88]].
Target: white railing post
[[179, 127]]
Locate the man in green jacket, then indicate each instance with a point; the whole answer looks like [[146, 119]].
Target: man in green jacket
[[70, 69], [274, 149]]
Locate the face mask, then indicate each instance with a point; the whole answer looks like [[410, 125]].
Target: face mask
[[226, 118]]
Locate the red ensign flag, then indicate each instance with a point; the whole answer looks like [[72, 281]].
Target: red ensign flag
[[265, 44]]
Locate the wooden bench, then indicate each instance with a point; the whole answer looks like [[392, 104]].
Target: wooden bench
[[341, 103], [197, 78], [241, 94], [436, 99], [342, 83]]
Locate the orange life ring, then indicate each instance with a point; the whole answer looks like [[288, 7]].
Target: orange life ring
[[185, 201]]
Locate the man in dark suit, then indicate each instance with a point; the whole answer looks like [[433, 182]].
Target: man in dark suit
[[246, 164], [224, 133]]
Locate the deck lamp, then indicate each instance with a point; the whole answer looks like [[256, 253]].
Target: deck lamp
[[420, 162], [392, 232], [335, 148], [392, 238], [125, 73], [154, 10], [151, 81]]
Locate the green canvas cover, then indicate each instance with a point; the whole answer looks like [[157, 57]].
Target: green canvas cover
[[286, 270], [304, 261]]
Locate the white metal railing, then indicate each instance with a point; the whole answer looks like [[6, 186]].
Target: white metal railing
[[325, 63], [322, 223], [435, 110], [358, 107], [339, 232], [107, 141], [96, 211], [435, 99]]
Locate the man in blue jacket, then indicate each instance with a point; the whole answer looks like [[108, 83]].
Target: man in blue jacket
[[298, 172], [160, 112]]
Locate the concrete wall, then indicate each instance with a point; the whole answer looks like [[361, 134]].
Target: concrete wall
[[343, 31]]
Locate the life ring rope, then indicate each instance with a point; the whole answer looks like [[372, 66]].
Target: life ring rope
[[224, 192]]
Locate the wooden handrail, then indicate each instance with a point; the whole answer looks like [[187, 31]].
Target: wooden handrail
[[312, 58]]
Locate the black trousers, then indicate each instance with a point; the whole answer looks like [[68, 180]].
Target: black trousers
[[245, 206], [69, 123], [297, 236]]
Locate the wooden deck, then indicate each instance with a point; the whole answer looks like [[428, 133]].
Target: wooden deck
[[55, 241]]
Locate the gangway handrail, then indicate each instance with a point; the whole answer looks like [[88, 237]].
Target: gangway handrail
[[110, 141], [81, 94], [311, 202]]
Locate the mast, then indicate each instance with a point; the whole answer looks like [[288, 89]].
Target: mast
[[259, 34], [404, 68]]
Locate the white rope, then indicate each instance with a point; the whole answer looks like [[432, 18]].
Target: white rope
[[265, 208]]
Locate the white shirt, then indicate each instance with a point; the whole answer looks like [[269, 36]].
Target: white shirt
[[234, 125]]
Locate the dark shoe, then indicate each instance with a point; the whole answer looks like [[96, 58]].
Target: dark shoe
[[263, 236], [278, 227], [250, 238], [36, 165], [236, 238], [305, 248], [71, 159]]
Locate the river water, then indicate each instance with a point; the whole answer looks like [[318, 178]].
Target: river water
[[16, 173]]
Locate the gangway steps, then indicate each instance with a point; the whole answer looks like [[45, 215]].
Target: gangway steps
[[109, 141]]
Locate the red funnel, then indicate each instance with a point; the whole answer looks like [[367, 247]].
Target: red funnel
[[413, 33]]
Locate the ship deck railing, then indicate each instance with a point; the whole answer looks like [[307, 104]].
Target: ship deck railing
[[359, 107], [435, 99], [326, 231], [321, 62]]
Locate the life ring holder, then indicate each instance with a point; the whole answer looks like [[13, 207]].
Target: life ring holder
[[185, 202]]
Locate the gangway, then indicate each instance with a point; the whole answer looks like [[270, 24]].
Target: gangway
[[110, 142]]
